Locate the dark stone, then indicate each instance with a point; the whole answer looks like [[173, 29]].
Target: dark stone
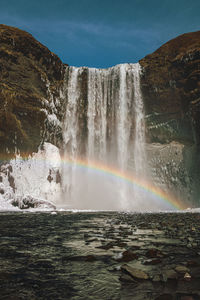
[[128, 256], [154, 253], [50, 178], [165, 297], [187, 298], [11, 181], [152, 261], [58, 177], [107, 246]]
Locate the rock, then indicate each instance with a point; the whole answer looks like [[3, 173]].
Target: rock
[[152, 262], [107, 246], [165, 297], [90, 258], [58, 177], [169, 274], [127, 256], [187, 276], [135, 273], [2, 191], [170, 87], [30, 81], [154, 253], [126, 278], [190, 239], [11, 181], [157, 278], [31, 202], [181, 269], [192, 263], [187, 298], [49, 178]]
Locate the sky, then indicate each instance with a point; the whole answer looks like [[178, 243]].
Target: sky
[[102, 33]]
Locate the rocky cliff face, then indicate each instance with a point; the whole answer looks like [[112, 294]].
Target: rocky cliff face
[[30, 80], [171, 92]]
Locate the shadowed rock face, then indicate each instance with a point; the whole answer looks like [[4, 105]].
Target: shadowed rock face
[[30, 80], [171, 90]]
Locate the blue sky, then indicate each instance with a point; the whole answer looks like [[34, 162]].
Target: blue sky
[[102, 33]]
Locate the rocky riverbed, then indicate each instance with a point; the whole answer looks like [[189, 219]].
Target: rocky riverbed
[[100, 255]]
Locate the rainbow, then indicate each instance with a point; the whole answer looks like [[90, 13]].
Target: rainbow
[[129, 178], [100, 168]]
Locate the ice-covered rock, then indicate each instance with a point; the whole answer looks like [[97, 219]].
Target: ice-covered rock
[[35, 180]]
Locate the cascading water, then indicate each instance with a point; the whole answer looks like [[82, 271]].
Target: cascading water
[[104, 131], [114, 135]]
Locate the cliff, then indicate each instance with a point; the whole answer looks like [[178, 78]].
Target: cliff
[[30, 81], [171, 90]]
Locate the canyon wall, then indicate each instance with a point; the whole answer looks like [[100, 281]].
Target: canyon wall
[[33, 102], [30, 80], [171, 91]]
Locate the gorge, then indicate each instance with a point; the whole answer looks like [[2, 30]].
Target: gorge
[[99, 174], [140, 119]]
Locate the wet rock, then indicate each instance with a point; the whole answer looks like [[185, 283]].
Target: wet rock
[[157, 278], [90, 258], [50, 178], [1, 191], [192, 263], [181, 269], [187, 276], [90, 240], [121, 244], [187, 298], [165, 297], [152, 261], [135, 273], [154, 253], [128, 256], [11, 181], [169, 274], [106, 246], [30, 202], [58, 177], [127, 278], [10, 168], [87, 258]]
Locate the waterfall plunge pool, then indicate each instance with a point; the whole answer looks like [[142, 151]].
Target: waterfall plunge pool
[[99, 255]]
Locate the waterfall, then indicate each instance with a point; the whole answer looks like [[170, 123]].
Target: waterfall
[[139, 140], [114, 135]]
